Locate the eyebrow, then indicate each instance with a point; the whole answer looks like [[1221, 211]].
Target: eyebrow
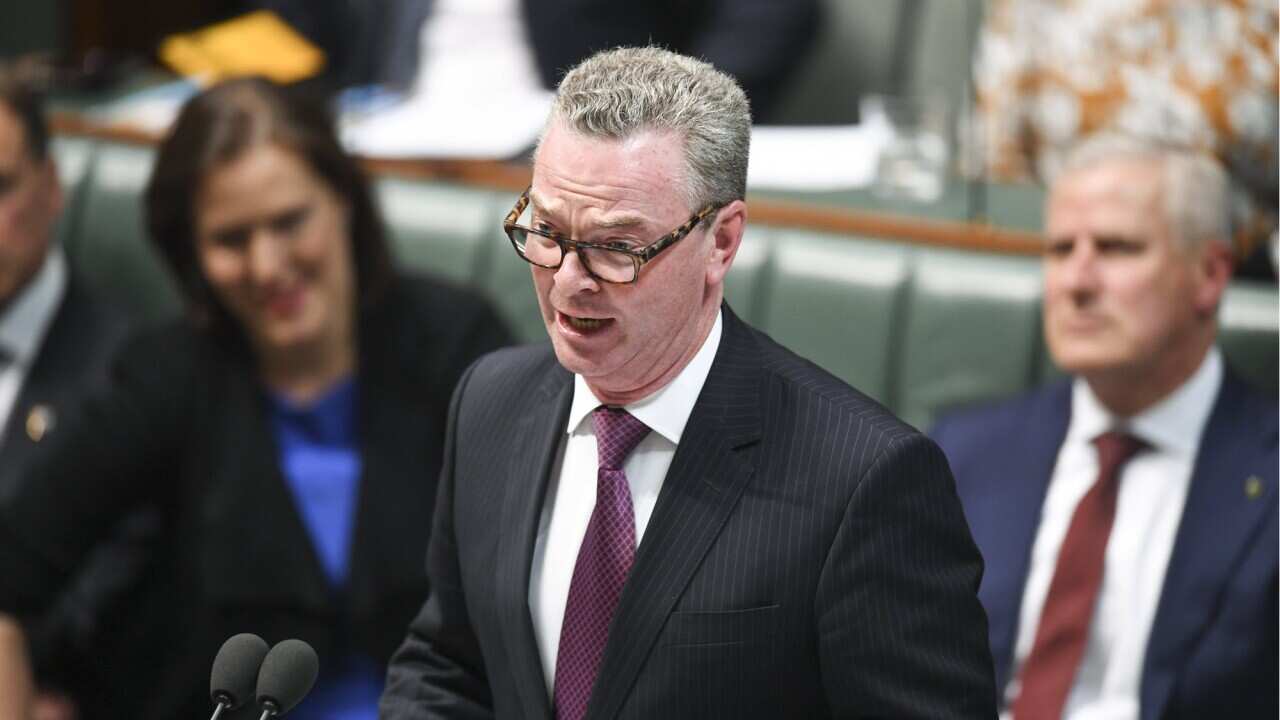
[[610, 222]]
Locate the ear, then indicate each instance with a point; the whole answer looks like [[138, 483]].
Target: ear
[[726, 237], [1213, 267]]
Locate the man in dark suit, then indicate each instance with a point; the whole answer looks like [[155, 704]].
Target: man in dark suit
[[53, 336], [1127, 515], [666, 514]]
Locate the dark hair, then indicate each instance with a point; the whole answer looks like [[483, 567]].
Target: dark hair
[[218, 126], [27, 104]]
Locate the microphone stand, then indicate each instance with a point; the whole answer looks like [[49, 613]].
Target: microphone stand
[[269, 710], [217, 712]]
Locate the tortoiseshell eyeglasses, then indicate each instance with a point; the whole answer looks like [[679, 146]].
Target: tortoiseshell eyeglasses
[[609, 262]]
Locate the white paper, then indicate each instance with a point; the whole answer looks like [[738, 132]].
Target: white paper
[[816, 158], [443, 126]]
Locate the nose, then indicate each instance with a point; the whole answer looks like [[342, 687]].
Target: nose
[[266, 257], [572, 277], [1078, 272]]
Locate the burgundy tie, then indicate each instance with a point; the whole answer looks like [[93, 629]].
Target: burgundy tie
[[1050, 669], [604, 559]]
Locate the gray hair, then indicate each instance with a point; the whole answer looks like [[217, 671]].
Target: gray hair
[[1196, 191], [621, 92]]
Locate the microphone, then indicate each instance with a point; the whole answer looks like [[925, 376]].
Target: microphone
[[235, 671], [286, 676]]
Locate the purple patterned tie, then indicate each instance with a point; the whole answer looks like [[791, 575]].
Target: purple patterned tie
[[604, 559]]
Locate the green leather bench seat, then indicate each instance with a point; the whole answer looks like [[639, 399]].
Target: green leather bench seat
[[918, 328], [73, 157], [110, 247], [442, 227], [833, 301], [972, 330], [1248, 319]]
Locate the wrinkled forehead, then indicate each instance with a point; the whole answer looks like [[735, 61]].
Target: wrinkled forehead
[[627, 179]]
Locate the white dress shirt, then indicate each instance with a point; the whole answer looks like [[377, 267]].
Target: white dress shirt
[[571, 490], [24, 324], [1153, 490]]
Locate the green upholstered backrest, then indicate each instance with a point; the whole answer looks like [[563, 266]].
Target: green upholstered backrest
[[444, 229], [971, 331], [74, 159], [744, 286], [920, 329], [1247, 322], [838, 303], [110, 247]]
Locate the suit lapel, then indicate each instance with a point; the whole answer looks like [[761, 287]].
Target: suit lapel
[[17, 445], [248, 497], [705, 480], [539, 432], [1219, 523], [75, 350], [396, 490]]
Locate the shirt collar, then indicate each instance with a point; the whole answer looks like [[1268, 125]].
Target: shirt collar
[[24, 323], [666, 412], [1173, 425]]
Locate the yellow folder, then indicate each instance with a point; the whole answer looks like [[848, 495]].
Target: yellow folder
[[259, 43]]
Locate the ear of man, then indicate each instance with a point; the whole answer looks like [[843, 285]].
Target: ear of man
[[1213, 265], [726, 237]]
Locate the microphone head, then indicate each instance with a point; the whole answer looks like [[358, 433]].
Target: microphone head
[[287, 674], [235, 670]]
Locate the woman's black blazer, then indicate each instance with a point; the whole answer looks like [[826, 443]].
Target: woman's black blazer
[[181, 434]]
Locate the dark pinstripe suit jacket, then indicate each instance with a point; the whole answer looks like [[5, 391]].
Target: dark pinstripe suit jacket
[[807, 558]]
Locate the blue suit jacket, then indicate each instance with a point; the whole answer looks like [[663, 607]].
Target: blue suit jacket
[[1213, 648]]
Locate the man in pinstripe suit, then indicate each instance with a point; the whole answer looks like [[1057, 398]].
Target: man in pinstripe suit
[[769, 542]]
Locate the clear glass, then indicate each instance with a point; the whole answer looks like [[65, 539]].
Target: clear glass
[[914, 161]]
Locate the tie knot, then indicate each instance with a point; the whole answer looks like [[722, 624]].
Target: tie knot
[[617, 434], [1115, 447]]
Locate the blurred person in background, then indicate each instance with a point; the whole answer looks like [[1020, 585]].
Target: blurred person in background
[[531, 43], [1127, 515], [289, 428], [55, 339], [1201, 73]]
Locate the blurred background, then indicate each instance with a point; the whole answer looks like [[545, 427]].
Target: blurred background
[[897, 171], [899, 160]]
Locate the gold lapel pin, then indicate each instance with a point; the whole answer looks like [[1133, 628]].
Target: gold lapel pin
[[40, 421], [1253, 487]]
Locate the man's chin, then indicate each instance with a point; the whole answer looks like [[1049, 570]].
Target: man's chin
[[1091, 361], [572, 360]]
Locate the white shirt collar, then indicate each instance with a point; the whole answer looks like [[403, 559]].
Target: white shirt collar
[[1172, 425], [24, 323], [667, 411]]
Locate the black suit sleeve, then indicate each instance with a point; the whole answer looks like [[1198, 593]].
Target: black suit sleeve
[[902, 633], [439, 671], [109, 455]]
